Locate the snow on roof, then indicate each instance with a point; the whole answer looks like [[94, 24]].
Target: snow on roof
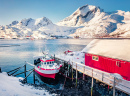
[[114, 48], [10, 86]]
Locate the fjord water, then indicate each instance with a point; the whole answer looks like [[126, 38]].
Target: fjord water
[[14, 53]]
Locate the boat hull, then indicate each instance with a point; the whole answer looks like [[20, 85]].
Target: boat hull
[[49, 81], [46, 75]]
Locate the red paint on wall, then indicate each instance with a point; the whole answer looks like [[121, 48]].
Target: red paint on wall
[[110, 65]]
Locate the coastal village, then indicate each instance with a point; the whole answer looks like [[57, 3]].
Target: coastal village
[[98, 67]]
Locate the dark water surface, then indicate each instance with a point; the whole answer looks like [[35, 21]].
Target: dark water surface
[[14, 53]]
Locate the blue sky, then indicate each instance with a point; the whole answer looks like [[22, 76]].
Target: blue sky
[[55, 10]]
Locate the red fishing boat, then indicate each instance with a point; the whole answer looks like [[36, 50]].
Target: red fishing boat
[[46, 66]]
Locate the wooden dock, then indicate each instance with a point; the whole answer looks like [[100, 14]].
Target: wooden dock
[[99, 75]]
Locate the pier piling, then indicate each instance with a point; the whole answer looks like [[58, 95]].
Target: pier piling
[[76, 75], [25, 71], [114, 87], [83, 73], [0, 70], [92, 84], [72, 71], [98, 75], [34, 76]]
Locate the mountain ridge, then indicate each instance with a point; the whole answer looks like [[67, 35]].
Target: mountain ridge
[[87, 21]]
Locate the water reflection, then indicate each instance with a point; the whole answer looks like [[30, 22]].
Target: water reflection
[[15, 56]]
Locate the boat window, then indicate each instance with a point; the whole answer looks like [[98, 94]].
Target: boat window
[[50, 62], [50, 65], [44, 62], [47, 62]]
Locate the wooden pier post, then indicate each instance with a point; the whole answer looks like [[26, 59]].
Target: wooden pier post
[[114, 87], [72, 71], [92, 84], [0, 70], [25, 71], [68, 69], [34, 75], [76, 75], [64, 65], [83, 73], [102, 76]]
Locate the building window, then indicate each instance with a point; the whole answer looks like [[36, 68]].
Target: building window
[[95, 58]]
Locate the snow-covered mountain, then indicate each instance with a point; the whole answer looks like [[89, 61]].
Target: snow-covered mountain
[[36, 28], [87, 21], [96, 22], [80, 16], [123, 29]]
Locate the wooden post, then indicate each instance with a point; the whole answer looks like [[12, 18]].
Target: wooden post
[[64, 65], [102, 76], [114, 87], [25, 71], [34, 75], [68, 69], [76, 75], [108, 88], [83, 73], [92, 84], [72, 71], [0, 70]]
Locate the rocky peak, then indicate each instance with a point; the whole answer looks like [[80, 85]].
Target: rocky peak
[[80, 16], [13, 23]]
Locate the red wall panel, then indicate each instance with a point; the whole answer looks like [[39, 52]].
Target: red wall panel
[[109, 65]]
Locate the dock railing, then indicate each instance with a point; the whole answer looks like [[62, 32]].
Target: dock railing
[[107, 78]]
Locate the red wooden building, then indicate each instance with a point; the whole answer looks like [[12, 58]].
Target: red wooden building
[[109, 55]]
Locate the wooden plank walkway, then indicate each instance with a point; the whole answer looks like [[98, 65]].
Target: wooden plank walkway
[[102, 76]]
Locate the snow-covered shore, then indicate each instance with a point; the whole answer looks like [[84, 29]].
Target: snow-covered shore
[[10, 86]]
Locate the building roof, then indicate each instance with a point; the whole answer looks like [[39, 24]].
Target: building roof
[[113, 48]]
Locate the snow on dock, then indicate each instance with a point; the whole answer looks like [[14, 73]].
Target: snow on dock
[[10, 86], [77, 61], [110, 48], [102, 76]]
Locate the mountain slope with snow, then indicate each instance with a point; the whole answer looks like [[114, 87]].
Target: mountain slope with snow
[[36, 28], [96, 22], [87, 21], [123, 29], [80, 16]]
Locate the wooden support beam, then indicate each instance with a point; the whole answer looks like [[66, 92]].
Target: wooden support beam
[[114, 87], [92, 84], [102, 76], [14, 72], [83, 73], [15, 69], [34, 76], [0, 70], [76, 75], [72, 71], [28, 74], [68, 69], [25, 71]]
